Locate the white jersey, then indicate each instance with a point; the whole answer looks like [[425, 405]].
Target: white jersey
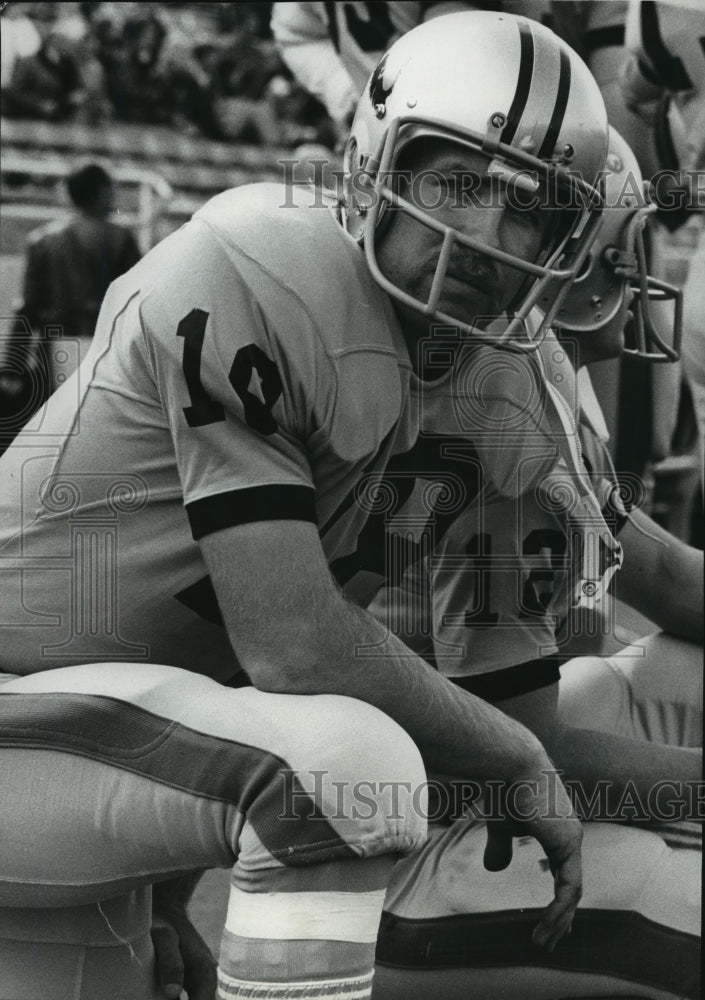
[[247, 369], [512, 600], [496, 589], [222, 387]]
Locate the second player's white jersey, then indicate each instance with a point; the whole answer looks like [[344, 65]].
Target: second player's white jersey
[[495, 589]]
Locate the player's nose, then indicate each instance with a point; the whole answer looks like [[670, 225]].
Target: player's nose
[[482, 222]]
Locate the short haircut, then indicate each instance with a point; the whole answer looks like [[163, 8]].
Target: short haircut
[[86, 183]]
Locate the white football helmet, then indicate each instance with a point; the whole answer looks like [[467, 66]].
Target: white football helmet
[[506, 87], [616, 263]]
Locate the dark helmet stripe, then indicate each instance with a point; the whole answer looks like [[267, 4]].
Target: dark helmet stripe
[[521, 94], [554, 126]]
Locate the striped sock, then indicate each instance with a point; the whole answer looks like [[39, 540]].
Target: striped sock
[[299, 945], [359, 988]]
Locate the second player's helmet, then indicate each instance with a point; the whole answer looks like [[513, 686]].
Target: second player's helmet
[[508, 88], [617, 265]]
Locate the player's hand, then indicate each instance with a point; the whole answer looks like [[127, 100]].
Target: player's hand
[[540, 807], [183, 959]]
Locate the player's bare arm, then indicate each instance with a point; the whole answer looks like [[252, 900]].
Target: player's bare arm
[[588, 757], [293, 632], [662, 577]]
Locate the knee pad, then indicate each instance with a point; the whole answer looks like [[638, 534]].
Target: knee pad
[[344, 766], [374, 785]]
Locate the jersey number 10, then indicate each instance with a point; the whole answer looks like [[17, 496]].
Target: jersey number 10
[[206, 410]]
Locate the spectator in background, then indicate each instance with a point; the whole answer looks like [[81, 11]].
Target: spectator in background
[[70, 264], [106, 25], [242, 65], [133, 74], [41, 77], [49, 69], [19, 39], [163, 66]]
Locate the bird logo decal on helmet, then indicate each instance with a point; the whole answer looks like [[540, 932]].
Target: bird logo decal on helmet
[[378, 92]]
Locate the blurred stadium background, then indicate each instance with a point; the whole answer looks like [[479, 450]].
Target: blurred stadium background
[[179, 100]]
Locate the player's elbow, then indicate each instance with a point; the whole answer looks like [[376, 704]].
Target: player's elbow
[[276, 676], [269, 676], [291, 659]]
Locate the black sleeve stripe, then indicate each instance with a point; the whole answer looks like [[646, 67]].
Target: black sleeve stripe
[[257, 503]]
